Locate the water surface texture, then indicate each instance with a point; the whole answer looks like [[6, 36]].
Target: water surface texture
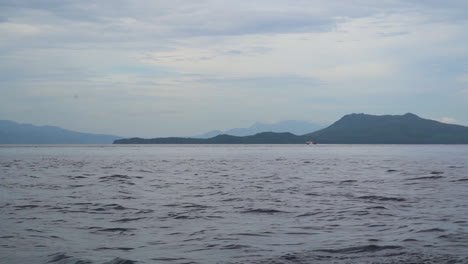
[[234, 204]]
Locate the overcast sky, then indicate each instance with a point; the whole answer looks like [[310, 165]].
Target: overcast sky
[[154, 68]]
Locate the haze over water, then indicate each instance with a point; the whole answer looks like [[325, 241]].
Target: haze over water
[[234, 204]]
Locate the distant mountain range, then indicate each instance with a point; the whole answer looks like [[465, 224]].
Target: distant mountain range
[[260, 138], [350, 129], [291, 126], [15, 133]]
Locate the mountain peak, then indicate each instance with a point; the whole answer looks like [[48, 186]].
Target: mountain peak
[[390, 129], [411, 115]]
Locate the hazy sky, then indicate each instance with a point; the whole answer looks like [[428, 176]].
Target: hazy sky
[[157, 68]]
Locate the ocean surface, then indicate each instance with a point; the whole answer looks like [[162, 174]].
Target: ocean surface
[[234, 204]]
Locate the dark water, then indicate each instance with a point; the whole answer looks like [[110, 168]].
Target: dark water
[[234, 204]]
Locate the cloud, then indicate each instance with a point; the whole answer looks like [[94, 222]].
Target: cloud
[[19, 29], [448, 120], [463, 78], [228, 61], [153, 20]]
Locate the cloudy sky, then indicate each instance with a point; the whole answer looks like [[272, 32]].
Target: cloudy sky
[[155, 68]]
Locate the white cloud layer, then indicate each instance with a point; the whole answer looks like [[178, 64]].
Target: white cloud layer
[[448, 120], [160, 68]]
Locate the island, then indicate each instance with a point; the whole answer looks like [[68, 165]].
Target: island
[[350, 129]]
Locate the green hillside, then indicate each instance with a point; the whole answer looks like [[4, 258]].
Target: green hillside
[[350, 129], [390, 129], [260, 138]]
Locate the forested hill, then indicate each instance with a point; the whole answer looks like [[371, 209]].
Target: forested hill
[[260, 138], [390, 129], [350, 129]]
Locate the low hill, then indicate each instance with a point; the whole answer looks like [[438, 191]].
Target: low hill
[[260, 138], [291, 126], [15, 133], [390, 129]]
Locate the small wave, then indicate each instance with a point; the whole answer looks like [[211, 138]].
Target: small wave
[[300, 233], [124, 220], [83, 203], [249, 234], [180, 216], [360, 213], [76, 186], [145, 211], [187, 205], [115, 177], [234, 246], [114, 248], [168, 259], [382, 198], [309, 214], [425, 178], [124, 197], [28, 206], [62, 258], [34, 230], [115, 229], [377, 225], [361, 249], [116, 207], [377, 207], [120, 261], [119, 178], [263, 211], [431, 230], [77, 177], [347, 181], [461, 180], [456, 237], [235, 199]]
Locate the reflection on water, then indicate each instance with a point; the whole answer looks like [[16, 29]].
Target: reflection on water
[[234, 204]]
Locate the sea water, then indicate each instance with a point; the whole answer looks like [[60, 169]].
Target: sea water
[[234, 204]]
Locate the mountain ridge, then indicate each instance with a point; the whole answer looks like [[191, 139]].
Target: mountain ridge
[[390, 129], [350, 129], [17, 133], [260, 138], [292, 126]]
